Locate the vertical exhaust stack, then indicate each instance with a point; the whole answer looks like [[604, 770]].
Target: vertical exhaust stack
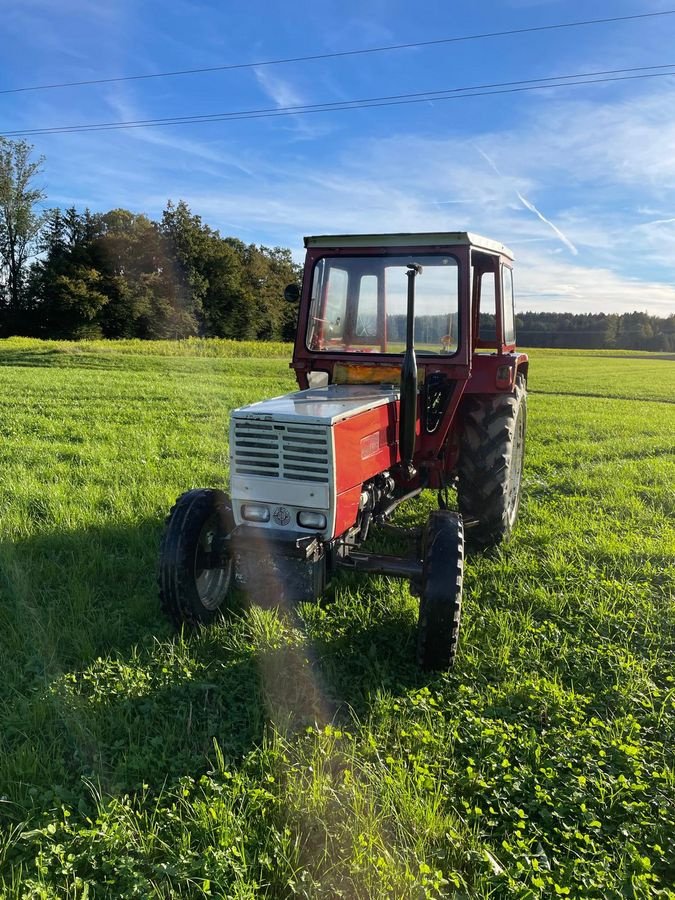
[[408, 408]]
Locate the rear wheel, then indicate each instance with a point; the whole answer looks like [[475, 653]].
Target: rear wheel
[[441, 593], [490, 464], [196, 571]]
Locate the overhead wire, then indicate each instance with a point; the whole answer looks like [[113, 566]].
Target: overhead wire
[[339, 53], [507, 87]]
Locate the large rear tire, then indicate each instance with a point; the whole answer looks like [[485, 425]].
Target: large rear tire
[[441, 593], [490, 464], [196, 571]]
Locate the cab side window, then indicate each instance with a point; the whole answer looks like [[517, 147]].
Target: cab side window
[[488, 305], [508, 316]]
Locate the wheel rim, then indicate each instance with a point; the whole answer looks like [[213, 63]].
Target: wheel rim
[[516, 473], [212, 584]]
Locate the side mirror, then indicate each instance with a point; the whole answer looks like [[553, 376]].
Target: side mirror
[[292, 293]]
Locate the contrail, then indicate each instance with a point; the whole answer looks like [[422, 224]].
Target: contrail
[[657, 222], [566, 241], [532, 208]]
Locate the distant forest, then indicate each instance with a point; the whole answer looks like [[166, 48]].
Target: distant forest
[[592, 331], [72, 274]]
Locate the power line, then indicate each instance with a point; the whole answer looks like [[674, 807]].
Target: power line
[[506, 87], [340, 53]]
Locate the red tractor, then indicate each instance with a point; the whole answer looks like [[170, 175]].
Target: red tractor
[[401, 390]]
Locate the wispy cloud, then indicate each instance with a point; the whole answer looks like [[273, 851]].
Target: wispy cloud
[[405, 183], [125, 109], [51, 32], [280, 90], [544, 283], [285, 94]]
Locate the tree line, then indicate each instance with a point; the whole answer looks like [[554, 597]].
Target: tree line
[[592, 331], [74, 274]]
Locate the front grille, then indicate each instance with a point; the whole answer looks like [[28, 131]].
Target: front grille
[[281, 450]]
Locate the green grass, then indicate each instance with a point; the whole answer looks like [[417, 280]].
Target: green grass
[[281, 755], [31, 349]]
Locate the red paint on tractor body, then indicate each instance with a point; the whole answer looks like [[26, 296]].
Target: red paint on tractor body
[[365, 446]]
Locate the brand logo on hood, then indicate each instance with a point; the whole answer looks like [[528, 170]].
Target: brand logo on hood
[[281, 515]]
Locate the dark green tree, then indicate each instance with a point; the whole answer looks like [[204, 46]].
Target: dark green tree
[[65, 291], [235, 289], [20, 223], [145, 298]]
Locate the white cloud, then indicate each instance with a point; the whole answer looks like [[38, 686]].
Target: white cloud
[[598, 142], [125, 110], [53, 34], [411, 183], [551, 284]]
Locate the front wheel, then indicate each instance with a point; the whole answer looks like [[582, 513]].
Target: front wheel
[[196, 571], [441, 591]]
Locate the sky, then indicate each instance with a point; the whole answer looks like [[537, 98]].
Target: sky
[[579, 181]]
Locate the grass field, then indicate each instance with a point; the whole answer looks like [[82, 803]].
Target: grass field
[[307, 757]]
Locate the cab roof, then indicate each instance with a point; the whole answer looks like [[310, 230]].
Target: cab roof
[[407, 239]]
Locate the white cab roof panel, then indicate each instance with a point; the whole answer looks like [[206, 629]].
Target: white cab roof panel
[[424, 239], [321, 406]]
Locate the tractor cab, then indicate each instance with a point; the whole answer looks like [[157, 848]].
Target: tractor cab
[[353, 306]]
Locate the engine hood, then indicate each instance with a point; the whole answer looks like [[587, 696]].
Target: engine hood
[[321, 406]]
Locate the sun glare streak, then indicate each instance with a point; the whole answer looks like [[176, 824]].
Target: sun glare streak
[[290, 677]]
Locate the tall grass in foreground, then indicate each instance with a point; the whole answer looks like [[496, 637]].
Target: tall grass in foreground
[[304, 755]]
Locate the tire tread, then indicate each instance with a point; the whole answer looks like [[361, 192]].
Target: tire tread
[[177, 591], [441, 595], [484, 467]]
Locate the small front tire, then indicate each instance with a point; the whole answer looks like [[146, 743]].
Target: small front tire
[[196, 571], [441, 591]]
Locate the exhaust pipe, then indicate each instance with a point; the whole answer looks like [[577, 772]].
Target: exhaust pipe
[[408, 407]]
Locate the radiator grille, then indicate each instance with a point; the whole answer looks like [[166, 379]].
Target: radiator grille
[[281, 450]]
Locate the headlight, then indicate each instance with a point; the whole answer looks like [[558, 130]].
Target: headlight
[[312, 520], [254, 513]]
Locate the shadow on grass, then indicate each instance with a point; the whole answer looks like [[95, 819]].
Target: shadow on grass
[[654, 354], [597, 396], [68, 597], [98, 686], [54, 358]]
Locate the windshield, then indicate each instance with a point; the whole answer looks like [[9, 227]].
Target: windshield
[[359, 304]]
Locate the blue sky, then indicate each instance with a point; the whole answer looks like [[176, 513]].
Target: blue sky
[[578, 181]]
